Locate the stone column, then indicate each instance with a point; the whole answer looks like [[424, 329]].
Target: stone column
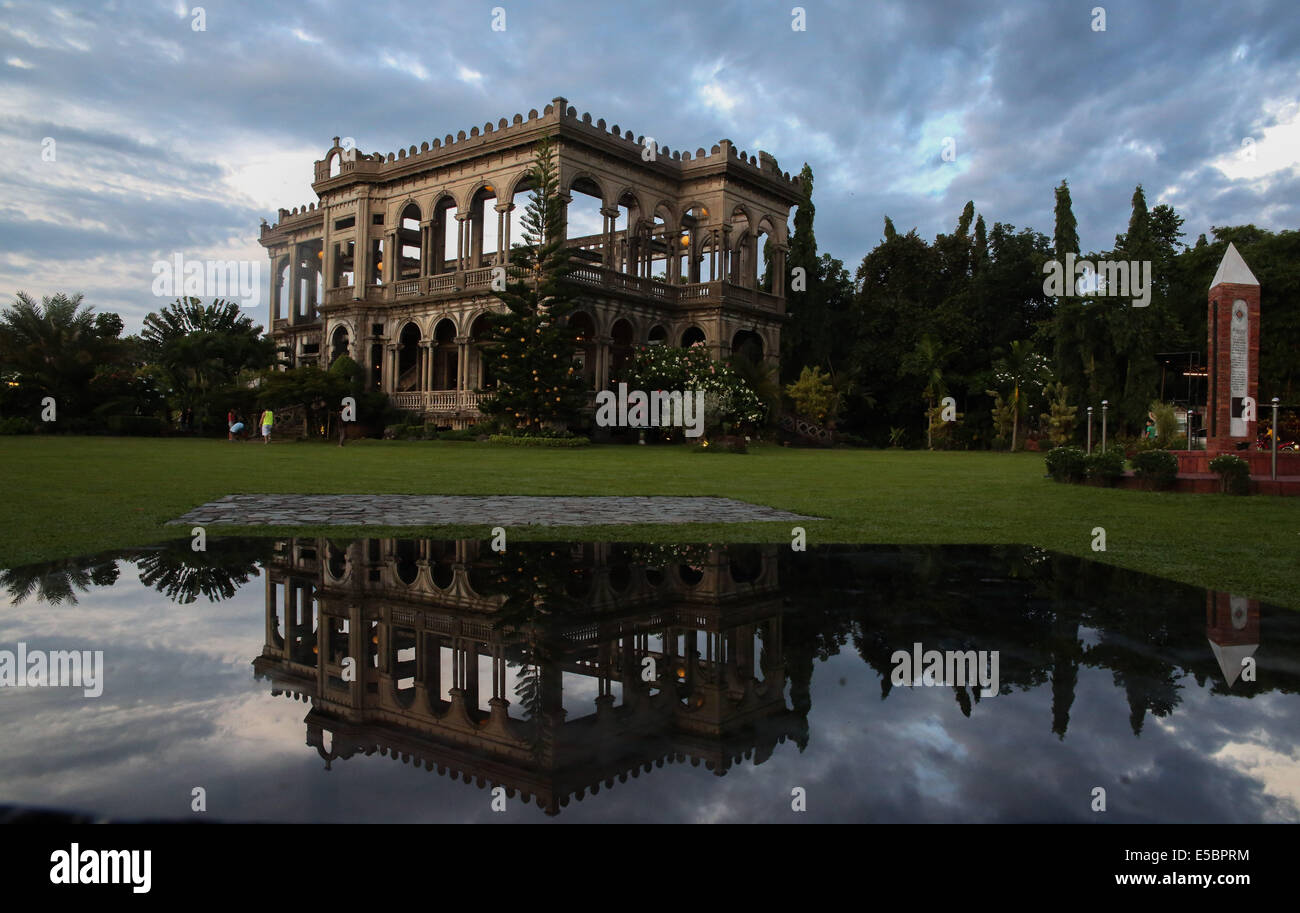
[[390, 367], [462, 259], [565, 200], [778, 268], [603, 358], [426, 364], [462, 363], [361, 250], [505, 247], [611, 221], [274, 298], [295, 282], [426, 231], [503, 232], [724, 252]]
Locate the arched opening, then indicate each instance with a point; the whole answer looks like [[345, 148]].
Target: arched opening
[[693, 240], [445, 236], [748, 345], [620, 353], [512, 221], [408, 242], [405, 556], [408, 358], [336, 164], [336, 561], [338, 343], [283, 298], [689, 574], [661, 261], [740, 259], [442, 563], [584, 358], [745, 562], [765, 259], [693, 336], [481, 250], [345, 258], [658, 335], [486, 376], [584, 222], [376, 261], [444, 356]]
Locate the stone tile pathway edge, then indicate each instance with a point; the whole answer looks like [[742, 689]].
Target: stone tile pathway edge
[[476, 510]]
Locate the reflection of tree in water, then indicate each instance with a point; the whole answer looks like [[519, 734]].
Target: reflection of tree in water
[[58, 582], [1030, 606], [182, 574], [542, 584]]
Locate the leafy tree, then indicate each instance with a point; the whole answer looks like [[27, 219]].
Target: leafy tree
[[814, 395], [1021, 375], [201, 350], [53, 349], [531, 342], [1061, 416], [818, 298]]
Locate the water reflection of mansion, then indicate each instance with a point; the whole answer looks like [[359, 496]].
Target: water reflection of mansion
[[550, 670]]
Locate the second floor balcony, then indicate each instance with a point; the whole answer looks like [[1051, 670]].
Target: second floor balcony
[[478, 282]]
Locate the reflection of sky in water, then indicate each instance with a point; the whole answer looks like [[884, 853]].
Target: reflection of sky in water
[[181, 709]]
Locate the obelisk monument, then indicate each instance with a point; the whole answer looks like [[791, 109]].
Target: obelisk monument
[[1232, 355]]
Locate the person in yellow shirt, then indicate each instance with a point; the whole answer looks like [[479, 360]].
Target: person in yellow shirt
[[266, 422]]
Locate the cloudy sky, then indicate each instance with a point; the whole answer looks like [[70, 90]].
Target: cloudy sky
[[166, 138]]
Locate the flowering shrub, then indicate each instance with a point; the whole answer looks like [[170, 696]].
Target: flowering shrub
[[727, 398]]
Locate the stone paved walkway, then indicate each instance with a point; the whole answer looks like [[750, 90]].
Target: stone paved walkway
[[491, 510]]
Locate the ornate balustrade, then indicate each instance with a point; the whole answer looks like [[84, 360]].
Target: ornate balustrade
[[438, 400]]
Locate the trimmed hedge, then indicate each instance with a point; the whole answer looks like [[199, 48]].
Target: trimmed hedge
[[1067, 464], [1105, 466], [1234, 473], [533, 440], [1158, 467]]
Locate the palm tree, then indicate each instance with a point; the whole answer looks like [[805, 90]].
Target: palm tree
[[928, 360], [54, 345], [1023, 370], [58, 582]]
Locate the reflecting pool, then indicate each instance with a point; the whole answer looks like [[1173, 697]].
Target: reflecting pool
[[428, 680]]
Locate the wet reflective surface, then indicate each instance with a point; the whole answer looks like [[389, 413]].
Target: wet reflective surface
[[404, 680]]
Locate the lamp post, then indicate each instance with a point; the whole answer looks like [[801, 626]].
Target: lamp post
[[1273, 474], [1090, 429], [1105, 405]]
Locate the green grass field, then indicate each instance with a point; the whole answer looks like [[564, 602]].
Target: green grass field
[[71, 496]]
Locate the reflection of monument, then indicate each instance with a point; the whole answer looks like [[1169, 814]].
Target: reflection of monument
[[438, 629], [1232, 625], [1233, 353]]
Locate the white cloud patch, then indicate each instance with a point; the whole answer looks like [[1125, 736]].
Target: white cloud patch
[[1271, 150]]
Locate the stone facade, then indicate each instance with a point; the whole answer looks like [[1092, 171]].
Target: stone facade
[[393, 265]]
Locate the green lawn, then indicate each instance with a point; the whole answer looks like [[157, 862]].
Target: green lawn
[[69, 496]]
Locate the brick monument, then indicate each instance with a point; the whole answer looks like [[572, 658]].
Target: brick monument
[[1232, 355]]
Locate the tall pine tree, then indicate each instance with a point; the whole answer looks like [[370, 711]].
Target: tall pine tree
[[530, 342]]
